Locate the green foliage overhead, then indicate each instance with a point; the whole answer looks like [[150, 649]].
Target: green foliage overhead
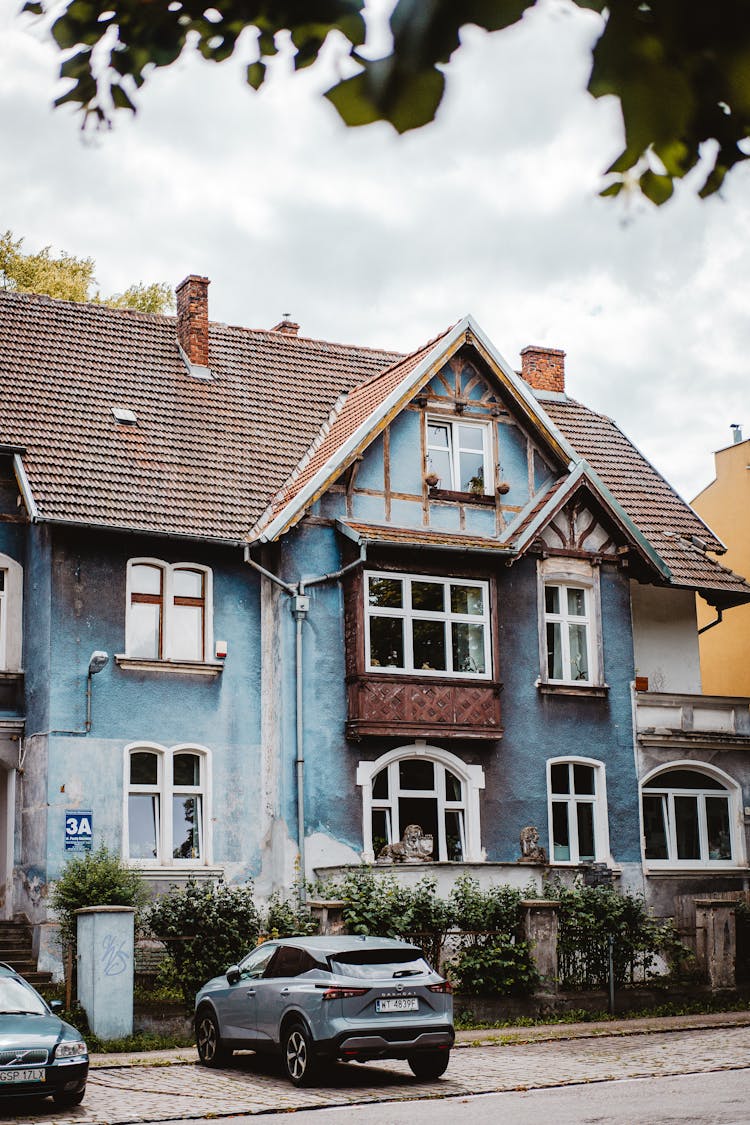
[[98, 878], [71, 279], [679, 68], [206, 927]]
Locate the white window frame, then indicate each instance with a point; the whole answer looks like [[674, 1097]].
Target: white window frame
[[165, 790], [409, 615], [579, 575], [732, 792], [597, 799], [472, 782], [454, 451], [11, 615], [168, 571]]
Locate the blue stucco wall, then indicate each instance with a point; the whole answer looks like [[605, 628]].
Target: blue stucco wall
[[537, 727], [221, 714]]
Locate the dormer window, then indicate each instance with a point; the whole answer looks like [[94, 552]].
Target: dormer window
[[458, 453]]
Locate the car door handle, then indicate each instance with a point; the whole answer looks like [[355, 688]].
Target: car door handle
[[285, 992], [250, 992]]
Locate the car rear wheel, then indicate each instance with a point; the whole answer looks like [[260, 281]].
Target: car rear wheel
[[300, 1064], [212, 1050], [66, 1099], [428, 1065]]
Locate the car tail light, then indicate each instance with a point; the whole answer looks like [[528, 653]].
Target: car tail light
[[344, 993], [444, 986]]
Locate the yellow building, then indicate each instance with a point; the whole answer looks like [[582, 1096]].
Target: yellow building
[[725, 506]]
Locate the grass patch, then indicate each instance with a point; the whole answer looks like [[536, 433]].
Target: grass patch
[[465, 1021]]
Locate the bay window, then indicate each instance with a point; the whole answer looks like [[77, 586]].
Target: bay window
[[425, 625]]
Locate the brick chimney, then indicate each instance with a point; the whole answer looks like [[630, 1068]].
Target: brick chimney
[[192, 318], [286, 326], [543, 368]]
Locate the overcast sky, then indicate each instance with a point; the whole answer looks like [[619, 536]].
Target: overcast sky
[[366, 237]]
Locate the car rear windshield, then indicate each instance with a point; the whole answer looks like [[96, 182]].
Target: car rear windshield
[[379, 964]]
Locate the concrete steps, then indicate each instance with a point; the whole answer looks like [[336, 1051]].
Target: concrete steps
[[16, 950]]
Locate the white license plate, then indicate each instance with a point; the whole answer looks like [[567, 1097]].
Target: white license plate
[[22, 1075], [401, 1004]]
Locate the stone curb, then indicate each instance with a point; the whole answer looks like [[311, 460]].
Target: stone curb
[[487, 1037]]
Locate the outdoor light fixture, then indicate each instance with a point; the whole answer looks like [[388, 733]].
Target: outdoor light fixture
[[97, 661]]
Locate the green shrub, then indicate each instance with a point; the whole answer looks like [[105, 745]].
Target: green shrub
[[474, 910], [206, 927], [97, 878], [287, 918], [495, 968], [587, 918]]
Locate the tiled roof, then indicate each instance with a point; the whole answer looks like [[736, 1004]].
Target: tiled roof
[[204, 458], [659, 513], [207, 458], [422, 537], [346, 419]]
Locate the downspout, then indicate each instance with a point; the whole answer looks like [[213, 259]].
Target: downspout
[[711, 624], [300, 608]]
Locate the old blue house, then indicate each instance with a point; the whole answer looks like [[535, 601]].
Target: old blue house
[[267, 599]]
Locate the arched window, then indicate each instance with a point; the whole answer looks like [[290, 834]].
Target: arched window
[[168, 611], [689, 817], [167, 795], [422, 785], [577, 796]]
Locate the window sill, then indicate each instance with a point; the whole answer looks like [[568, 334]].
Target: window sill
[[596, 691], [675, 870], [487, 501], [183, 667], [176, 873]]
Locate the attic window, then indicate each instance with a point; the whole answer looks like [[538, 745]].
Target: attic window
[[122, 414]]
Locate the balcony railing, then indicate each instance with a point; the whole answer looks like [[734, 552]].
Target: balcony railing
[[414, 706], [692, 720]]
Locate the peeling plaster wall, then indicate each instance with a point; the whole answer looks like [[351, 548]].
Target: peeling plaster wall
[[221, 714]]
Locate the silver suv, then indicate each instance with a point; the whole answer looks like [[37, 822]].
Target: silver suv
[[317, 999]]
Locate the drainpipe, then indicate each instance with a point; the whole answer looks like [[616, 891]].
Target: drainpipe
[[711, 624], [300, 608]]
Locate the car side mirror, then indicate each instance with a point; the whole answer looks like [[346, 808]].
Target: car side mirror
[[233, 974], [56, 1005]]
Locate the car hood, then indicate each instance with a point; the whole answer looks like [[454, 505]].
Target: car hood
[[18, 1030]]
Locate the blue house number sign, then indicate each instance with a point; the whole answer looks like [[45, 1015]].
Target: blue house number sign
[[79, 833]]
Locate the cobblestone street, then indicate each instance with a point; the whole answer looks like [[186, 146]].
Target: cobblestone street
[[167, 1089]]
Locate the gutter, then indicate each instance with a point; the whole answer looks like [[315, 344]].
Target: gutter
[[24, 486]]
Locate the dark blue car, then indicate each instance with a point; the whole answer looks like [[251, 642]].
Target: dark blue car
[[40, 1055]]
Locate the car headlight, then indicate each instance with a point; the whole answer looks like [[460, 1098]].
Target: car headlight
[[70, 1048]]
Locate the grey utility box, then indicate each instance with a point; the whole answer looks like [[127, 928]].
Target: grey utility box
[[105, 968]]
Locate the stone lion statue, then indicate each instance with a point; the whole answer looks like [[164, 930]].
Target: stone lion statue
[[414, 847], [531, 851]]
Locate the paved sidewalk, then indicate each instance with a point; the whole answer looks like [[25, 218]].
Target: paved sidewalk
[[539, 1033], [170, 1086]]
